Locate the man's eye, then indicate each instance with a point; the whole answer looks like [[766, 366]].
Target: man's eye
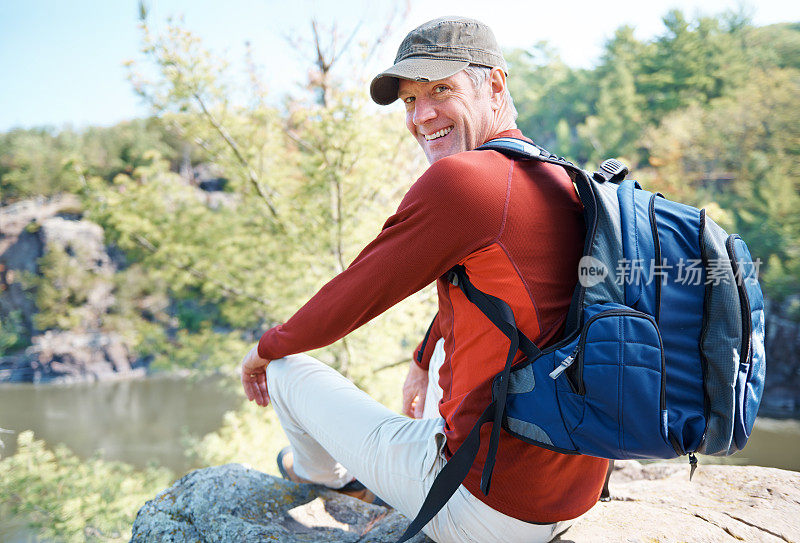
[[408, 99], [440, 88]]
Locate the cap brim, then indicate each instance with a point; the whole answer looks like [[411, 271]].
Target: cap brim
[[384, 87]]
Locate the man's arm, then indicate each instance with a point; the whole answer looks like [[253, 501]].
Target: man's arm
[[442, 219]]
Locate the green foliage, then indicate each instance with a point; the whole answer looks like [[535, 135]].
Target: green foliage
[[31, 163], [308, 188], [63, 287], [250, 435], [548, 95], [590, 115], [742, 151], [68, 499], [12, 333], [44, 162], [205, 351], [692, 62]]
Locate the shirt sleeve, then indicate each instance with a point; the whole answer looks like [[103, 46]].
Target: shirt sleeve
[[450, 212]]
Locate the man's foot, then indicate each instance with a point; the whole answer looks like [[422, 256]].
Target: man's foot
[[354, 489]]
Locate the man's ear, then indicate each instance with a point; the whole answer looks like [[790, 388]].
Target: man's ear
[[497, 84]]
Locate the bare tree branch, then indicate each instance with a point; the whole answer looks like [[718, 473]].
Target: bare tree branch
[[392, 365], [396, 17], [251, 174]]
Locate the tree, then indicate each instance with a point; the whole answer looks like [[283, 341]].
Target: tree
[[743, 152], [613, 129], [307, 187]]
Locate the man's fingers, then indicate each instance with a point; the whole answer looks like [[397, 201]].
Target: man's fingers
[[248, 388], [419, 407], [408, 401], [261, 382], [255, 388]]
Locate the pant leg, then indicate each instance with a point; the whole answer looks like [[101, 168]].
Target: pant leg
[[338, 432]]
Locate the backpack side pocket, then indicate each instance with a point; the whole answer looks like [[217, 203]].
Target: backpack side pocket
[[621, 375]]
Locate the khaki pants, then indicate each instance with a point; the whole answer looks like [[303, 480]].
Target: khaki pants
[[338, 432]]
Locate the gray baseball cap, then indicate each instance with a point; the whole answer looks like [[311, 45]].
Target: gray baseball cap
[[436, 50]]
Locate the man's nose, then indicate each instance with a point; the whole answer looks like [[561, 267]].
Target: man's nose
[[424, 111]]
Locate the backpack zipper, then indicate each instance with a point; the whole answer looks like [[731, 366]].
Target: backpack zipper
[[744, 301], [657, 253], [567, 362]]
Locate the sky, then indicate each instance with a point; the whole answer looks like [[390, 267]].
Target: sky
[[61, 63]]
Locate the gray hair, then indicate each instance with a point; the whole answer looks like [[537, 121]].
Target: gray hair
[[479, 75]]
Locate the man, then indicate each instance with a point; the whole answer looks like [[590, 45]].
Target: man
[[517, 228]]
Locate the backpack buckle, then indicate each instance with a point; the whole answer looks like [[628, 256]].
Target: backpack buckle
[[611, 170]]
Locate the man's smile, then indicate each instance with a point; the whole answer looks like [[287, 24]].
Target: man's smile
[[441, 133]]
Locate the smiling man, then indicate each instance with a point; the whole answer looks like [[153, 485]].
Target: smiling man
[[517, 229]]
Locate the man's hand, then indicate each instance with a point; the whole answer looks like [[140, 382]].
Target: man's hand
[[254, 377], [414, 390]]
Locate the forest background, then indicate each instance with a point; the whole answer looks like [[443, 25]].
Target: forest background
[[229, 213]]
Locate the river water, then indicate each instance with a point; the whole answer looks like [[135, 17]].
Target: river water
[[147, 420], [133, 421]]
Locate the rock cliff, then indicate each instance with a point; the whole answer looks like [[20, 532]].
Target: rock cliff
[[28, 231], [650, 503]]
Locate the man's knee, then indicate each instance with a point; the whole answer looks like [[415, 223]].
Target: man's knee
[[296, 367]]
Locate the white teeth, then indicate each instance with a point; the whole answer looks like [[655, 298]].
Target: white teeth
[[439, 134]]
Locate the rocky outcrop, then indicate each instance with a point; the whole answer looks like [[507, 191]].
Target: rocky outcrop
[[68, 357], [28, 231], [658, 503], [650, 503], [20, 248], [782, 391], [235, 503]]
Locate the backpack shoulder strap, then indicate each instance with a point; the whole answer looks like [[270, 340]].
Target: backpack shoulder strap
[[523, 150]]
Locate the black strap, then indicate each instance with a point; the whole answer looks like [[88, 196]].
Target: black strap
[[456, 469], [449, 479], [425, 340], [488, 304], [501, 315]]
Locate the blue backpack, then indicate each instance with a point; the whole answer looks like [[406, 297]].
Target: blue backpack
[[663, 353]]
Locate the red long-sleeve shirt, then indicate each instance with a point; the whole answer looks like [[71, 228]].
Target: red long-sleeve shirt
[[517, 228]]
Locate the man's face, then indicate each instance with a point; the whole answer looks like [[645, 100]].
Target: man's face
[[447, 116]]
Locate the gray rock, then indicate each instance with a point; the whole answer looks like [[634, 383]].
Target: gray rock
[[650, 503], [28, 230], [68, 357], [658, 503], [781, 398], [236, 503]]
